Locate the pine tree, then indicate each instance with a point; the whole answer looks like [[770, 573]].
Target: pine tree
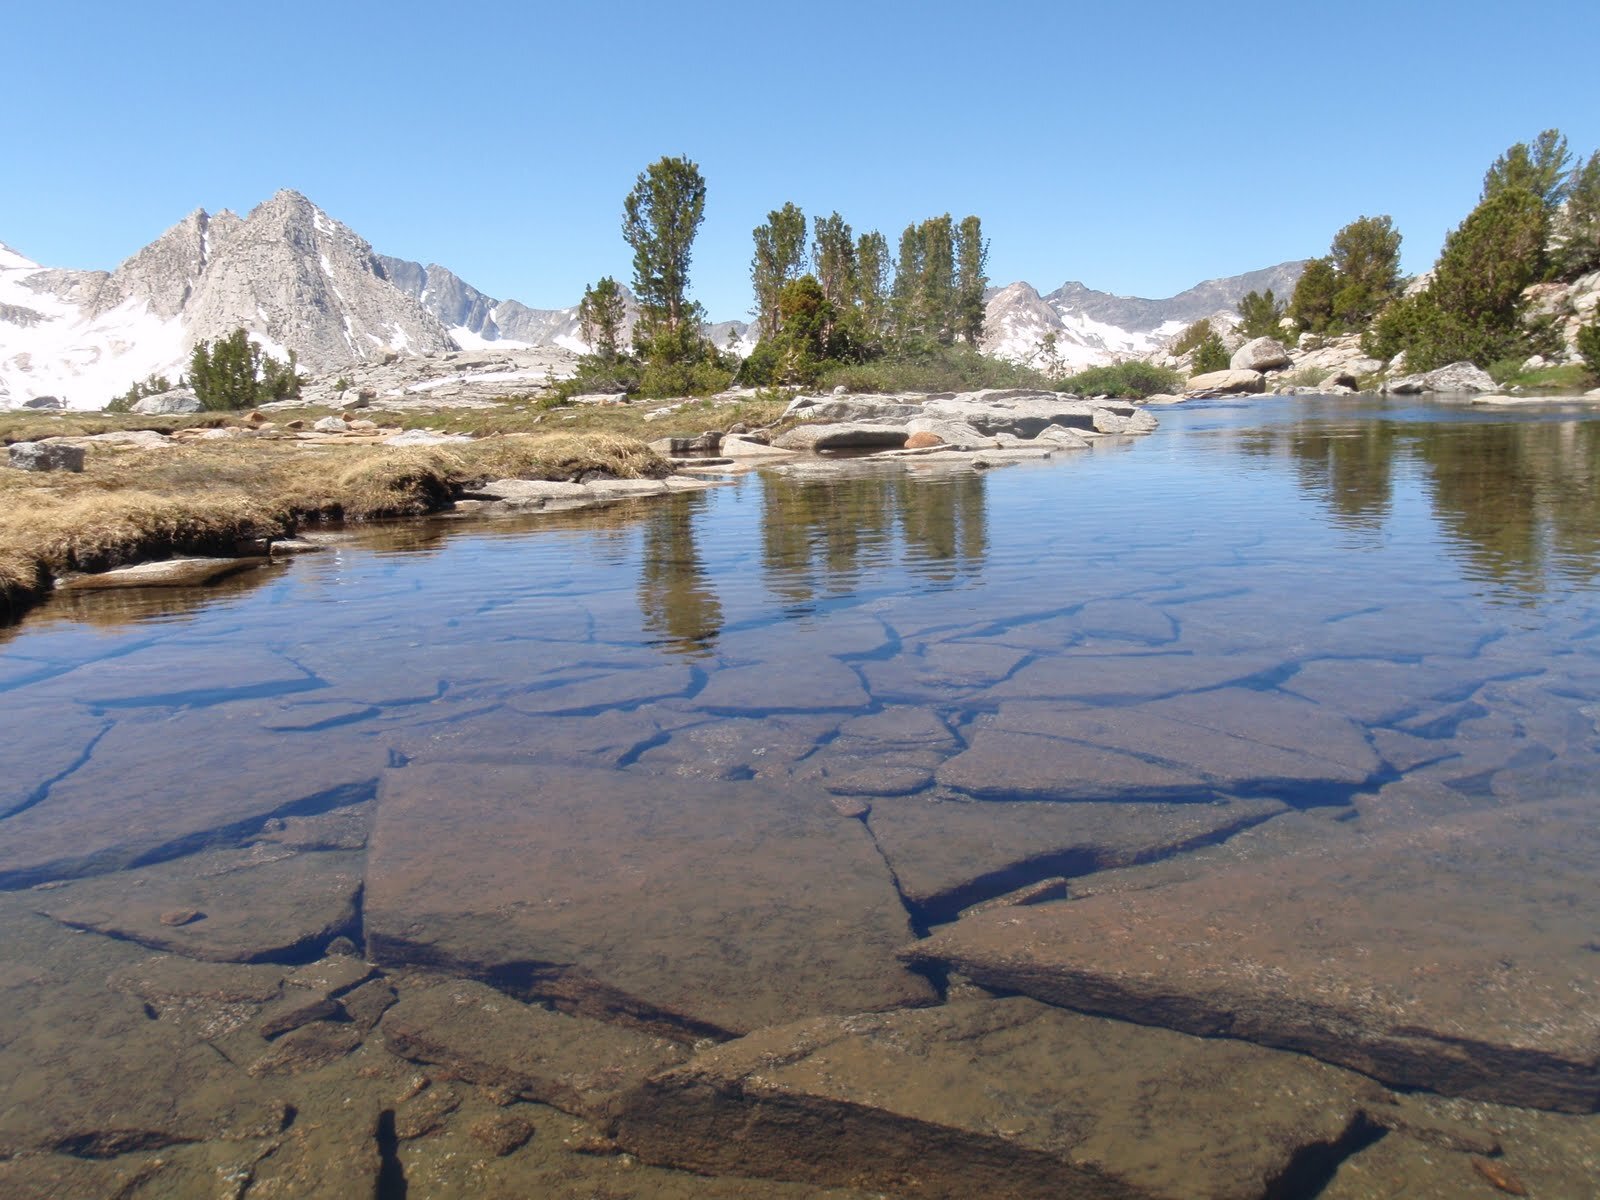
[[833, 253], [661, 216], [872, 284], [1495, 253], [1366, 256], [1540, 169], [600, 315], [225, 373], [780, 255], [906, 299], [1259, 315], [1311, 303], [937, 301], [1577, 225], [972, 261], [1473, 309], [1210, 355]]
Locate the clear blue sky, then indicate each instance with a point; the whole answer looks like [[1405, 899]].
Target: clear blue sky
[[1138, 147]]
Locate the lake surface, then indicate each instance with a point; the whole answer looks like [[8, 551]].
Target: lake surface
[[689, 770]]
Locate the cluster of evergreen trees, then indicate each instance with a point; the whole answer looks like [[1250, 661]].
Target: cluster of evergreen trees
[[234, 372], [229, 373], [669, 354], [1537, 219], [855, 303], [839, 299]]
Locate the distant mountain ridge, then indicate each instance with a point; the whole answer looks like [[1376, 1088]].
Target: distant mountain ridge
[[476, 320], [1094, 328], [300, 281]]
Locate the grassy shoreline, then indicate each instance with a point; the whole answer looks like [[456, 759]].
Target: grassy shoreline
[[227, 497]]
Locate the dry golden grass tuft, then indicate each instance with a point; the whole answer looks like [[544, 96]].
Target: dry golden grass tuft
[[213, 497]]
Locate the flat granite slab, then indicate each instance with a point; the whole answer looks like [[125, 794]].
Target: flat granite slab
[[999, 1098], [688, 907], [1459, 957]]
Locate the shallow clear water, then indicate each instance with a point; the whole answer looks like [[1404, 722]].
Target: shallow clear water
[[1410, 589]]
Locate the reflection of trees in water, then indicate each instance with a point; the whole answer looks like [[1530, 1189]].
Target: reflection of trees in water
[[679, 605], [1518, 497], [945, 524], [1348, 467], [823, 534]]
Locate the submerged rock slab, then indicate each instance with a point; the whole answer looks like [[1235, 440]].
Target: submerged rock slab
[[485, 1037], [40, 753], [155, 791], [949, 855], [88, 1071], [818, 683], [692, 908], [1451, 957], [225, 905], [1003, 1098]]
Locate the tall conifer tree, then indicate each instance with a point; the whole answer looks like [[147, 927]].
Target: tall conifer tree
[[906, 301], [938, 300], [872, 283], [661, 216], [780, 256], [972, 261]]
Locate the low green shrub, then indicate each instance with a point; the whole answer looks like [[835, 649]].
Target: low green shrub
[[1130, 380], [1589, 347], [1210, 354]]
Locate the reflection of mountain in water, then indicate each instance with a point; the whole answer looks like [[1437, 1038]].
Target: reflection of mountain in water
[[1516, 499], [821, 535]]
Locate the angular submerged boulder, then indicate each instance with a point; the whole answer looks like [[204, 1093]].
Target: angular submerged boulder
[[1004, 1098], [1449, 957]]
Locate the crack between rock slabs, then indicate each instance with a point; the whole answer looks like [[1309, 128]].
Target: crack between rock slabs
[[42, 792], [107, 861], [1071, 863]]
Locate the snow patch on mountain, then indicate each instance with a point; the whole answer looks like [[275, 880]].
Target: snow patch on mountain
[[294, 278], [51, 345], [10, 260]]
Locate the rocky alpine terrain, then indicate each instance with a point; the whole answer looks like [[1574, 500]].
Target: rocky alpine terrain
[[300, 281]]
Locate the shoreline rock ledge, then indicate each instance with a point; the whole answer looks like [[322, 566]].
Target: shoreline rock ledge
[[993, 418]]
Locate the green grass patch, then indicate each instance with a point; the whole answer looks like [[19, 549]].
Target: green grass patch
[[1574, 377]]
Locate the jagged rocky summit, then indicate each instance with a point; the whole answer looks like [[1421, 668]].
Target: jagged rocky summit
[[295, 278]]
